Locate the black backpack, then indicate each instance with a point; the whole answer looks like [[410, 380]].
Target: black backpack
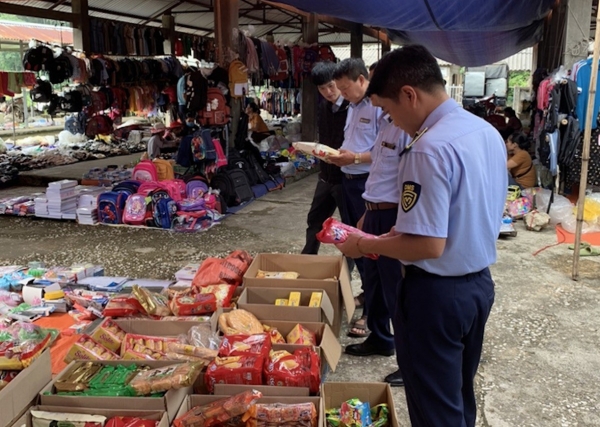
[[236, 161], [243, 189], [42, 91], [60, 70], [261, 174], [72, 102], [37, 58], [223, 182]]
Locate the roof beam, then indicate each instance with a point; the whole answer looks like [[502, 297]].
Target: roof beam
[[58, 3], [162, 12], [16, 9]]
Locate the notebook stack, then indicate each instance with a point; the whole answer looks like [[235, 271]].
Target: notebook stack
[[61, 200], [87, 211]]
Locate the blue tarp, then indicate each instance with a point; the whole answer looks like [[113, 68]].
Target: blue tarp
[[464, 32]]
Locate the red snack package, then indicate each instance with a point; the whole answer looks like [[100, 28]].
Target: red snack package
[[234, 370], [230, 270], [123, 306], [301, 369], [336, 232], [187, 305], [130, 422], [245, 345]]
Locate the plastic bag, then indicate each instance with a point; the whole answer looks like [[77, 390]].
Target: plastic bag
[[239, 345], [519, 207], [301, 369], [190, 350], [336, 232], [216, 271], [282, 415], [202, 336], [153, 303], [561, 209], [591, 210], [166, 378], [222, 293]]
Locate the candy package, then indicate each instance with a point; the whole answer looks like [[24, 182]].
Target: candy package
[[225, 412], [166, 378], [122, 306], [222, 293], [241, 345], [109, 334], [53, 419], [301, 336], [234, 370], [230, 270], [301, 369], [281, 415], [153, 303], [130, 422], [186, 305], [276, 275], [87, 349], [274, 334], [380, 415], [77, 378], [355, 413], [16, 355], [336, 232]]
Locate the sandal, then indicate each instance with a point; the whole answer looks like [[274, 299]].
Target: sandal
[[359, 300], [359, 325], [585, 249]]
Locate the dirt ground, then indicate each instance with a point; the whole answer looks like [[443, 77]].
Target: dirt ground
[[540, 367]]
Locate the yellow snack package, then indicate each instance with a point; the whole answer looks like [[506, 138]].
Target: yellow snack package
[[301, 336], [294, 299], [315, 299], [276, 275], [281, 301]]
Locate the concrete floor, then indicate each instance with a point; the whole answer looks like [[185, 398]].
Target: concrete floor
[[540, 362]]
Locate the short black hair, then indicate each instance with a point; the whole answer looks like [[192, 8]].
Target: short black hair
[[373, 65], [254, 107], [411, 65], [521, 140], [509, 112], [322, 73], [352, 68]]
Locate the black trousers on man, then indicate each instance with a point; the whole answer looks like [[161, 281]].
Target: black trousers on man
[[328, 197]]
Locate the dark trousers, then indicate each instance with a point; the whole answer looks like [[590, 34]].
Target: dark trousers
[[382, 282], [440, 325], [327, 198], [182, 113], [355, 208]]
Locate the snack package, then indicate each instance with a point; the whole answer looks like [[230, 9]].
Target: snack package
[[222, 412], [16, 355], [281, 415], [301, 369], [153, 303], [140, 342], [222, 293], [380, 415], [122, 306], [194, 304], [190, 350], [301, 336], [239, 322], [6, 377], [53, 419], [77, 378], [87, 349], [355, 413], [140, 352], [166, 378], [274, 334], [230, 270], [241, 345], [76, 329], [202, 335], [234, 370], [276, 275], [336, 232], [109, 334], [130, 422]]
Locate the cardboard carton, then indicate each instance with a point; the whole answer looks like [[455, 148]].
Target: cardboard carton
[[264, 300], [328, 273], [23, 390], [155, 328], [198, 400], [334, 394], [170, 402], [266, 390], [159, 416]]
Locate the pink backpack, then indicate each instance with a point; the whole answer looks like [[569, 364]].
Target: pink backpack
[[221, 157], [145, 171], [149, 186], [176, 189], [135, 210]]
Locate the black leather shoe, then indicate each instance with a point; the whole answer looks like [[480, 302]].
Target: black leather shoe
[[395, 379], [364, 349]]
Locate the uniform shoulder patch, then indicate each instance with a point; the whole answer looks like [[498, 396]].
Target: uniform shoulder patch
[[410, 195]]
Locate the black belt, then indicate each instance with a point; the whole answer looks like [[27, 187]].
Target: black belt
[[380, 206], [414, 271], [358, 176]]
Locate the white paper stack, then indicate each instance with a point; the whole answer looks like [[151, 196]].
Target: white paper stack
[[188, 272], [41, 206], [87, 216], [87, 207], [62, 199]]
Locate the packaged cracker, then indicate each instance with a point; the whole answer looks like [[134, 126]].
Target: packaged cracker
[[167, 378], [277, 275], [241, 345], [222, 293], [186, 305], [234, 370], [190, 350], [336, 232], [239, 322], [281, 415], [77, 378], [122, 306], [140, 342], [153, 303], [109, 334], [300, 369], [87, 349], [301, 336], [53, 419], [229, 270], [130, 422], [274, 334]]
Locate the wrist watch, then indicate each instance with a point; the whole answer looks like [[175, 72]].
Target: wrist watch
[[357, 158]]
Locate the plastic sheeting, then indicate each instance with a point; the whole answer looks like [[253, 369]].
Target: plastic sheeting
[[464, 32]]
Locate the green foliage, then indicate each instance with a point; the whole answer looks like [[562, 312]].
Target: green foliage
[[516, 79], [10, 61]]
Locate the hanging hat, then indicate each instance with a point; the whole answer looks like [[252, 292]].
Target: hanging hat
[[158, 128]]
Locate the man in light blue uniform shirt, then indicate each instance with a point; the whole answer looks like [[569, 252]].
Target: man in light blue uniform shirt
[[452, 184], [384, 275], [351, 78]]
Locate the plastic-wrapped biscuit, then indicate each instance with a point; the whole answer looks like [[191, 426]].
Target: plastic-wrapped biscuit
[[276, 275]]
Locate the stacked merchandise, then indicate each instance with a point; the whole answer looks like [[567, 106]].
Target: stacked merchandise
[[87, 207], [19, 206], [60, 201]]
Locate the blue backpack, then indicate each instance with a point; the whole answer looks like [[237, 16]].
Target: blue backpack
[[110, 207], [165, 211], [130, 187]]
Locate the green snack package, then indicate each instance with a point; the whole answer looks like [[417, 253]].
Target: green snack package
[[380, 415], [333, 418]]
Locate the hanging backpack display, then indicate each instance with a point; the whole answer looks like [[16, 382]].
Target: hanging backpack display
[[216, 111], [37, 58], [72, 101], [60, 70], [238, 79], [326, 53], [223, 183]]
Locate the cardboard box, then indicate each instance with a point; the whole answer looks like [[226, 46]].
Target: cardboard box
[[170, 402], [159, 416], [266, 390], [155, 328], [334, 394], [262, 302], [315, 272], [198, 400], [24, 389]]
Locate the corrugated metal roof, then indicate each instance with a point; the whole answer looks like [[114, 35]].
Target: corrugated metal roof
[[15, 31], [522, 61]]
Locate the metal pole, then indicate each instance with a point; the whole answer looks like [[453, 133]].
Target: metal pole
[[12, 100], [25, 111], [587, 136]]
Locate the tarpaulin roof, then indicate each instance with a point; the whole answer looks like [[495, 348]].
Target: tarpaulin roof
[[464, 32]]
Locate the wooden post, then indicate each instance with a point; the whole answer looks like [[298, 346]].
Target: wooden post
[[356, 41], [310, 95], [168, 25], [81, 25], [386, 46], [226, 19], [585, 157]]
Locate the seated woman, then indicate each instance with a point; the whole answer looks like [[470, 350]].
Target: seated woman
[[256, 124], [519, 164], [514, 124]]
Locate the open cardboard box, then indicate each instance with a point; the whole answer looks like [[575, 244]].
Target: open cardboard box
[[155, 328], [24, 389], [315, 272], [159, 416], [198, 400], [263, 299], [170, 402], [266, 390], [334, 394]]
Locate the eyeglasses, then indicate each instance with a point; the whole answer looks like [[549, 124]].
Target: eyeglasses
[[418, 136]]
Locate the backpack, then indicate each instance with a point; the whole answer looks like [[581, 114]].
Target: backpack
[[193, 221], [110, 207], [42, 91], [99, 125], [73, 125], [284, 66], [135, 210], [262, 176], [72, 101], [176, 189], [326, 53], [242, 187], [129, 186], [224, 184], [165, 211], [145, 171], [216, 112], [59, 70], [164, 169], [195, 189], [192, 205], [184, 153], [236, 161], [238, 79], [35, 59], [221, 157]]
